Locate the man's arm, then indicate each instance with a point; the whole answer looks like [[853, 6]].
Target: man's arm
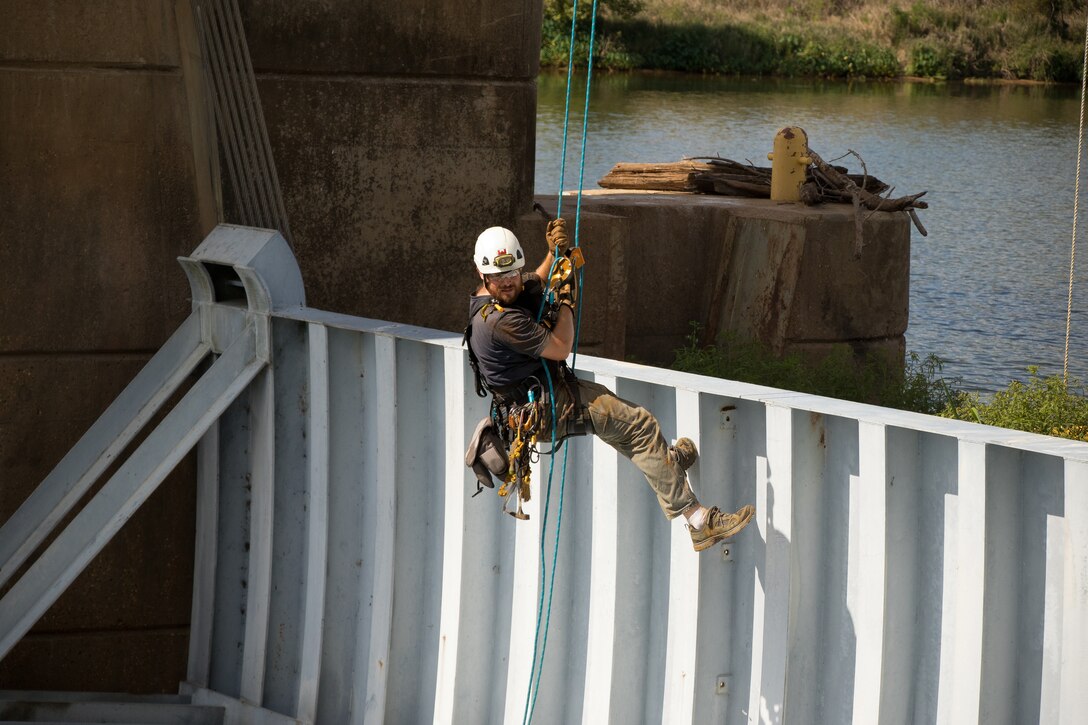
[[561, 340], [545, 267]]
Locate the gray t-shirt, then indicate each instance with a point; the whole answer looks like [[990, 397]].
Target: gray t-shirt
[[508, 342]]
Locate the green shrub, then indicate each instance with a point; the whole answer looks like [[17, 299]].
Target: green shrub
[[1042, 59], [1047, 405], [919, 387], [952, 39]]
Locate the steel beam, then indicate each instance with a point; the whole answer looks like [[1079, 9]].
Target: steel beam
[[66, 484], [94, 526]]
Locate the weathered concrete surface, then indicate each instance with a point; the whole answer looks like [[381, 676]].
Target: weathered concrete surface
[[604, 278], [384, 195], [398, 136], [102, 33], [140, 583], [781, 273], [97, 198], [497, 39]]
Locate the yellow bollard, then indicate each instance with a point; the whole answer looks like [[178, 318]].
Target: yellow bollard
[[789, 159]]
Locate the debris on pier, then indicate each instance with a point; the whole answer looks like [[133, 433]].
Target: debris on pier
[[825, 182]]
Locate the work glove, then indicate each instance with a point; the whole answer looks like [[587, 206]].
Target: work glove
[[557, 237], [568, 294]]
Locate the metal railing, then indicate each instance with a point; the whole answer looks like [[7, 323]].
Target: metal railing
[[901, 568]]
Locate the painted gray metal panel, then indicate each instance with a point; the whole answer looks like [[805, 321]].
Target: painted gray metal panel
[[831, 607], [811, 562], [487, 552], [388, 442], [933, 530], [239, 712], [350, 372], [715, 481], [262, 451], [836, 633], [1074, 584], [316, 505], [232, 560], [867, 558], [202, 619], [290, 515], [685, 590], [903, 574], [1037, 494], [774, 598], [417, 629], [604, 554], [748, 423]]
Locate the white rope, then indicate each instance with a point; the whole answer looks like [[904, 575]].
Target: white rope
[[1076, 205]]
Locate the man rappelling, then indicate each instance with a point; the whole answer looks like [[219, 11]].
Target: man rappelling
[[520, 332]]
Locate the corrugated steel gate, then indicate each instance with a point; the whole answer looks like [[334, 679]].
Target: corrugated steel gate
[[902, 568]]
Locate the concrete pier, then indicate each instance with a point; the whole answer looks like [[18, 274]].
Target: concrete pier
[[787, 275]]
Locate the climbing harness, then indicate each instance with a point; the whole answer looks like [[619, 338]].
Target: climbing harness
[[1076, 205]]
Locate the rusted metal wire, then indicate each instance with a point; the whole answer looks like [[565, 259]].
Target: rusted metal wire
[[239, 118]]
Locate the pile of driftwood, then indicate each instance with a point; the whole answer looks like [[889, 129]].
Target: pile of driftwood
[[714, 175]]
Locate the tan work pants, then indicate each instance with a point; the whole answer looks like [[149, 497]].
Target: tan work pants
[[633, 431]]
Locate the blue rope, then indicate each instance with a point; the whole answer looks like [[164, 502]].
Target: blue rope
[[530, 695], [582, 173], [534, 685], [566, 109]]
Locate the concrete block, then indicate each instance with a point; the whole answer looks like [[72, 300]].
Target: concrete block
[[386, 196], [602, 238], [46, 404], [97, 199], [498, 39], [774, 272], [844, 295], [143, 578], [104, 32], [141, 662]]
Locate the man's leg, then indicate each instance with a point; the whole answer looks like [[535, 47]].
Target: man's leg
[[635, 432]]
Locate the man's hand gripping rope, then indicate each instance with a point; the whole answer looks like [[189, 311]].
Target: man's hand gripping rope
[[562, 280]]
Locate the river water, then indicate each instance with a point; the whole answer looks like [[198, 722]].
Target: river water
[[989, 284]]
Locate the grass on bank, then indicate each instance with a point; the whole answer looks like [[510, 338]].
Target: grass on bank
[[1046, 405], [942, 39]]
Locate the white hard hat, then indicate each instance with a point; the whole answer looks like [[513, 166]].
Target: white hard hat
[[498, 250]]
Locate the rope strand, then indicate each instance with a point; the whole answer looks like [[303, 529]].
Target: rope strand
[[545, 580], [1076, 208]]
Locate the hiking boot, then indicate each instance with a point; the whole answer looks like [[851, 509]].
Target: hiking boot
[[684, 452], [720, 526]]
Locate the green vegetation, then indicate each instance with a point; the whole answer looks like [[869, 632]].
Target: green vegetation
[[1037, 40], [1046, 405], [920, 387]]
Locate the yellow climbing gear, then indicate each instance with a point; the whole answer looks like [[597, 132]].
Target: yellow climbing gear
[[523, 421]]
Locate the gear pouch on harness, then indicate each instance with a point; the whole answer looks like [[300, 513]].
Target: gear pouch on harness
[[486, 454]]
